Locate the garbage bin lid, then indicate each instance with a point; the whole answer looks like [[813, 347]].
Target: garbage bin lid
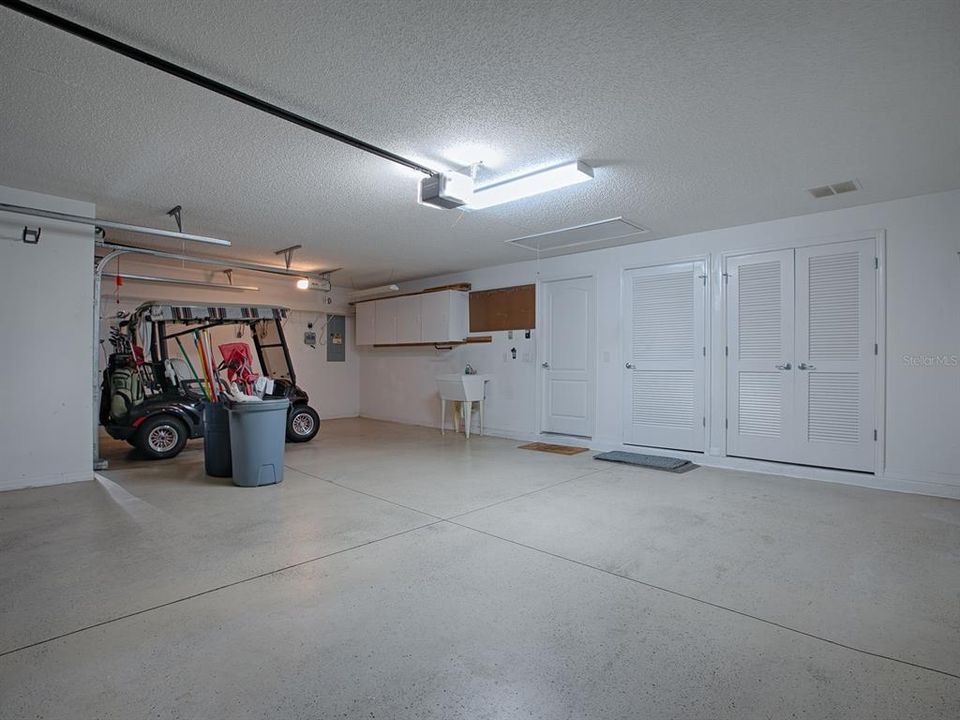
[[261, 406]]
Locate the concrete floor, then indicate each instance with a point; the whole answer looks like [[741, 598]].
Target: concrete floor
[[400, 574]]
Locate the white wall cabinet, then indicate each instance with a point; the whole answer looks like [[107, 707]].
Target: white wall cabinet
[[385, 322], [408, 318], [434, 317], [365, 323], [444, 316]]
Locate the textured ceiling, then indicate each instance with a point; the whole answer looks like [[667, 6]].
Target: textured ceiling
[[695, 115]]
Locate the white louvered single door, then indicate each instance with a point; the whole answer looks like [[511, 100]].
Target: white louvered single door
[[761, 416], [836, 361], [665, 367]]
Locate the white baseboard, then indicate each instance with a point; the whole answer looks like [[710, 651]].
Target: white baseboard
[[45, 480]]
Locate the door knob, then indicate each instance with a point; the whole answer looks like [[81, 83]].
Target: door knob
[[786, 366], [631, 366], [545, 365], [805, 366]]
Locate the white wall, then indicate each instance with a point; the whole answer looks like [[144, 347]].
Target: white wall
[[46, 321], [332, 387], [922, 447]]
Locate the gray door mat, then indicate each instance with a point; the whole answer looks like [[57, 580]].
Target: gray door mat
[[658, 462]]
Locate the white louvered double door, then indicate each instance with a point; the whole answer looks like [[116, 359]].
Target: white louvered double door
[[665, 368], [801, 363]]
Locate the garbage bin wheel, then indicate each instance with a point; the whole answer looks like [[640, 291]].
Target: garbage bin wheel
[[161, 437], [303, 423]]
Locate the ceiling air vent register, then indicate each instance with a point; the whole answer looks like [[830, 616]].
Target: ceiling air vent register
[[825, 191]]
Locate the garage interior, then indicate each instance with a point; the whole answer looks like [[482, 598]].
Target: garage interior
[[323, 321]]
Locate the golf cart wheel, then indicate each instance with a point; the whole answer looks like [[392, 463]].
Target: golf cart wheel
[[161, 437], [303, 423]]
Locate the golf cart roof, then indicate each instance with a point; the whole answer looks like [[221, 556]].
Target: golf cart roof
[[180, 312]]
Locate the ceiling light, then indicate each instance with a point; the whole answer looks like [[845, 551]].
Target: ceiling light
[[373, 292], [533, 183], [303, 284]]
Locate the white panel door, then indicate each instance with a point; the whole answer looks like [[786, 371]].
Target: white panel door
[[568, 367], [665, 367], [836, 364], [761, 415]]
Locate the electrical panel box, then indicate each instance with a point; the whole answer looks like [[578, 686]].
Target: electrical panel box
[[336, 338]]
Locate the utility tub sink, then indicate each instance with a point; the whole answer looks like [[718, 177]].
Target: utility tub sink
[[463, 390]]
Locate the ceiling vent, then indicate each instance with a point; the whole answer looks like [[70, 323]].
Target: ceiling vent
[[580, 238], [834, 189]]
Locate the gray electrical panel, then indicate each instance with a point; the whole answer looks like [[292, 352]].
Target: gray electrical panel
[[336, 338]]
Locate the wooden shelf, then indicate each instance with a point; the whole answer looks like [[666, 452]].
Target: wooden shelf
[[472, 340]]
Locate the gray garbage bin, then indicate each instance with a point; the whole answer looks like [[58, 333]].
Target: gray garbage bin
[[216, 440], [258, 433]]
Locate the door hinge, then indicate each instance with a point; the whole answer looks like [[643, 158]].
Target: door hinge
[[876, 263], [704, 350], [704, 278], [726, 423], [704, 421], [876, 349], [726, 350], [874, 435]]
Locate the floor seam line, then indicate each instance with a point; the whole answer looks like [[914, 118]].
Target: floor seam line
[[708, 603], [523, 495], [363, 492], [438, 517], [209, 591]]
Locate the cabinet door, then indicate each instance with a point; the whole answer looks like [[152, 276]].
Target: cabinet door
[[408, 318], [386, 322], [435, 317], [459, 324], [366, 318]]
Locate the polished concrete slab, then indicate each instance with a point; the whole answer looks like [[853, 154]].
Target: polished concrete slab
[[873, 569], [399, 574]]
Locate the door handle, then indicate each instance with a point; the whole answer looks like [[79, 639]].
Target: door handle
[[785, 366], [545, 365], [804, 366], [630, 366]]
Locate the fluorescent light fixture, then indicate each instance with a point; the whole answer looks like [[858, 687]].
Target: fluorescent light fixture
[[374, 292], [533, 183], [303, 284]]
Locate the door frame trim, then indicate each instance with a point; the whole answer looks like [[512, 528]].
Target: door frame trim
[[707, 335], [541, 349], [879, 236]]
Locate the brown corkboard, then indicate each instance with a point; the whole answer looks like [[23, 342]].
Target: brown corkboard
[[509, 308]]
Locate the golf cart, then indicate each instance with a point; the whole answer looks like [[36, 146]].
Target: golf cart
[[156, 402]]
